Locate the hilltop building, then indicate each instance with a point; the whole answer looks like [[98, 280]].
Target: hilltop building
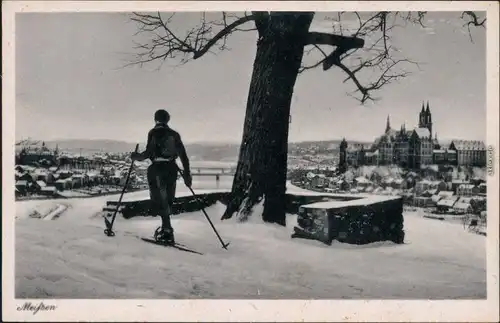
[[413, 148], [35, 153]]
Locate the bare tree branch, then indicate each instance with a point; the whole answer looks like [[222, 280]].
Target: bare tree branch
[[196, 43], [385, 77], [228, 29], [365, 47], [368, 47], [305, 68], [362, 42], [317, 38], [474, 21]]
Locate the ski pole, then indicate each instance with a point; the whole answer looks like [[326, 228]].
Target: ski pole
[[109, 225], [224, 245]]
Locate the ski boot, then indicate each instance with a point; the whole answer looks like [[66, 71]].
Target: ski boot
[[164, 235]]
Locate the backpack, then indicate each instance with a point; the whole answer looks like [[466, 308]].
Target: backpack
[[164, 144]]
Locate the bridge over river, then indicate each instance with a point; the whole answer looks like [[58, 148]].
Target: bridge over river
[[216, 172]]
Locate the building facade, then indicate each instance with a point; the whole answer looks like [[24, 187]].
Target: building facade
[[30, 154], [469, 152]]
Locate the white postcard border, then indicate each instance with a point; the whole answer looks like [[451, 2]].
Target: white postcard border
[[246, 310]]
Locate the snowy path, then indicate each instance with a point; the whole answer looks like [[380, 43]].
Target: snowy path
[[70, 257]]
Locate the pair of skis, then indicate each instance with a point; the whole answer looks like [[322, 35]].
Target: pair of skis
[[109, 224], [175, 245]]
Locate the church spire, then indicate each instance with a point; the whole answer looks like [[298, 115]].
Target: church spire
[[343, 144], [422, 116], [388, 125]]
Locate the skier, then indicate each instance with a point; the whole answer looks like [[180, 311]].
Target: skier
[[163, 147]]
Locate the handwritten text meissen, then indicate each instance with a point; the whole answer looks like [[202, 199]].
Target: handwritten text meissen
[[35, 308]]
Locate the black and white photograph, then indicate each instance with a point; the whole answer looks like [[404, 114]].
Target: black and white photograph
[[222, 152]]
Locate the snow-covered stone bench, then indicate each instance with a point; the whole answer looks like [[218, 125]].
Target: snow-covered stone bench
[[354, 219]]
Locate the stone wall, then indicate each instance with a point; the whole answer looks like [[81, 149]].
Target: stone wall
[[181, 205], [189, 203]]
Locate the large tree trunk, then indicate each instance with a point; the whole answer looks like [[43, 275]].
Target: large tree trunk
[[262, 164]]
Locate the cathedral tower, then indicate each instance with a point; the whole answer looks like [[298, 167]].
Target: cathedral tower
[[428, 119], [425, 118], [421, 117]]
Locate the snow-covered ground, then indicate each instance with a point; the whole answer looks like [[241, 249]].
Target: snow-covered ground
[[70, 257]]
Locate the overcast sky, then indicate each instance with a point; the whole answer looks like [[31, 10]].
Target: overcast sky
[[69, 84]]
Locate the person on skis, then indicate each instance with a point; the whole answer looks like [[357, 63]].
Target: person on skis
[[163, 147]]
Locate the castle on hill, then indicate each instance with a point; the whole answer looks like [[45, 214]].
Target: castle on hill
[[412, 148]]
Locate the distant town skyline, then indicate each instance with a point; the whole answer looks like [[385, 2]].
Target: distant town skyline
[[70, 84]]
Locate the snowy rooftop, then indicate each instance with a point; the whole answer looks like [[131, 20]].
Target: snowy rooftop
[[461, 206], [362, 179], [432, 192], [464, 199], [435, 198], [422, 132], [469, 145], [447, 202], [445, 193]]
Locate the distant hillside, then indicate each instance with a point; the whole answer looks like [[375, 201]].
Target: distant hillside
[[201, 150], [197, 151], [91, 146], [213, 151], [324, 144]]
